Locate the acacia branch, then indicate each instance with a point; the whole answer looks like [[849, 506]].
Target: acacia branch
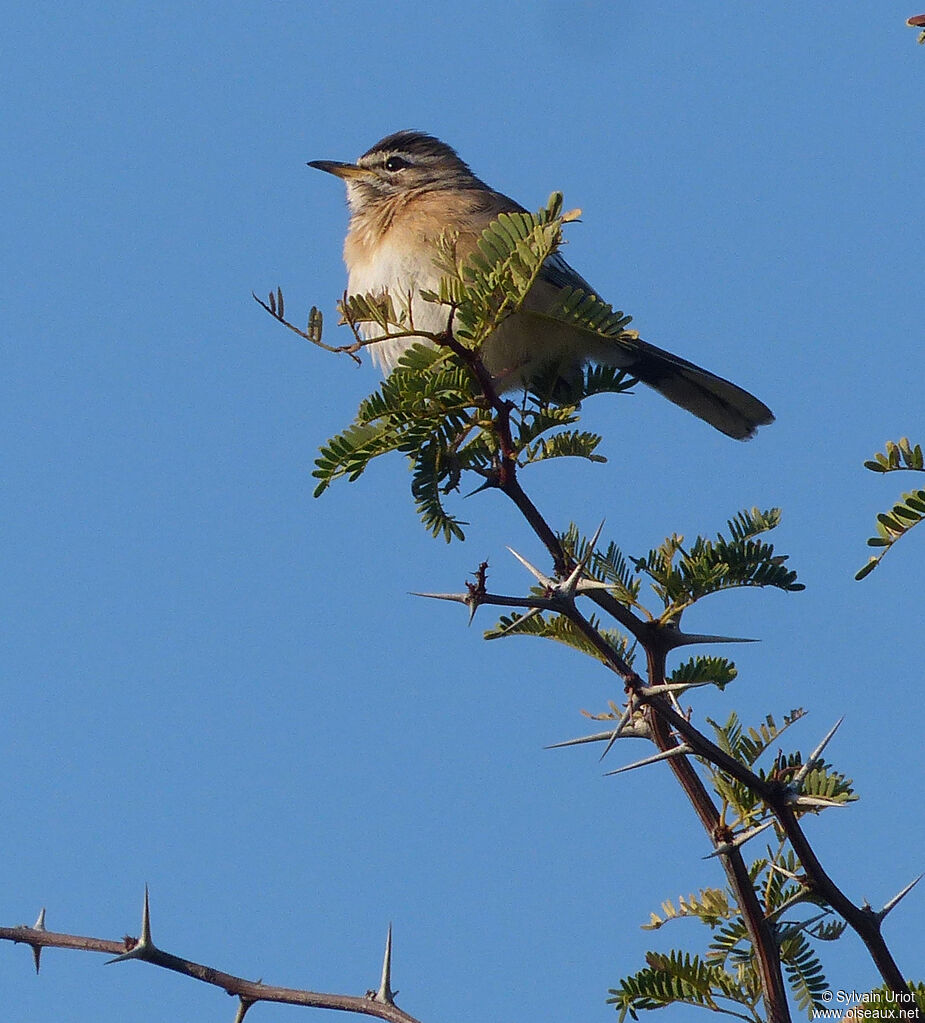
[[863, 920], [661, 713], [760, 934], [657, 640], [378, 1003], [760, 931]]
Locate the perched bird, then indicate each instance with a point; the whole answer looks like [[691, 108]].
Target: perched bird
[[405, 192]]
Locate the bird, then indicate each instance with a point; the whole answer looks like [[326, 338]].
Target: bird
[[405, 193]]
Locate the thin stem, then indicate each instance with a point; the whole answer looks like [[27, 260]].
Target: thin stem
[[247, 990]]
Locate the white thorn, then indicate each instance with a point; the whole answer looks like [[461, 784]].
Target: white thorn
[[814, 802], [797, 927], [627, 714], [671, 687], [594, 539], [568, 586], [782, 870], [459, 598], [597, 737], [385, 993], [740, 839], [900, 895], [676, 751], [816, 754], [535, 572], [132, 953], [469, 599], [144, 944], [243, 1005], [692, 638], [39, 925], [592, 585], [146, 923]]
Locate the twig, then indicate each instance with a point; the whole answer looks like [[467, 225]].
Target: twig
[[248, 991]]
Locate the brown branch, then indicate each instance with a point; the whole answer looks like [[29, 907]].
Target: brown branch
[[657, 640], [501, 423], [661, 713], [759, 928], [864, 921], [375, 1003], [561, 559], [275, 307]]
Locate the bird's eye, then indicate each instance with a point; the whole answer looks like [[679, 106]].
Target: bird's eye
[[396, 163]]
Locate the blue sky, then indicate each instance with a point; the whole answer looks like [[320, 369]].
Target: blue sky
[[221, 687]]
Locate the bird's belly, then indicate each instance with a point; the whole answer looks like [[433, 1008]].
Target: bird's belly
[[403, 281], [514, 354]]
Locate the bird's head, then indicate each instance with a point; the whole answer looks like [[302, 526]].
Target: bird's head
[[403, 163]]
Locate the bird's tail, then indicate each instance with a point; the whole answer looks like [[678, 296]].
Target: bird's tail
[[724, 405]]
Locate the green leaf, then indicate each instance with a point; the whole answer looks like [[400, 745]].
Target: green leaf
[[678, 978], [699, 670], [350, 452], [562, 630], [494, 281], [709, 905], [892, 525], [804, 971], [568, 444], [588, 312], [430, 407], [897, 456], [827, 930], [747, 524], [823, 782], [427, 496], [747, 746], [730, 943], [681, 577], [606, 380], [372, 309]]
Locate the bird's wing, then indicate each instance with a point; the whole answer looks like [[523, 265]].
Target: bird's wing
[[557, 272], [719, 402]]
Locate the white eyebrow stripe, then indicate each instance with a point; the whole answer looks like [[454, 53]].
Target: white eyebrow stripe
[[383, 156]]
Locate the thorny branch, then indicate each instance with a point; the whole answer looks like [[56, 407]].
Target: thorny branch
[[665, 720], [657, 639], [665, 723], [379, 1003]]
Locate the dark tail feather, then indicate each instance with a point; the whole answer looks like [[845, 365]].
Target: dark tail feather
[[724, 405]]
